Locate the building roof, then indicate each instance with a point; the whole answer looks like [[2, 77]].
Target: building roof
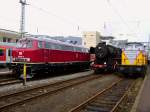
[[107, 37], [9, 33]]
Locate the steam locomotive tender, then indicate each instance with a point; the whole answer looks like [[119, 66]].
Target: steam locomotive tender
[[107, 57]]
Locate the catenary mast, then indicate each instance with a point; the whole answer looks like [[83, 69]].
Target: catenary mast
[[22, 20]]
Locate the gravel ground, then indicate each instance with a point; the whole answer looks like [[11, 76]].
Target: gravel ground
[[65, 100], [30, 84], [129, 100]]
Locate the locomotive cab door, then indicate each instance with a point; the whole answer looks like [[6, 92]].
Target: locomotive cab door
[[8, 55], [2, 55]]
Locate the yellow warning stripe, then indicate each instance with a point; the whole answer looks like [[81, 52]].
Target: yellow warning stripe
[[140, 59]]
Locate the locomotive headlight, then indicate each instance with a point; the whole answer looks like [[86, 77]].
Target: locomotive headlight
[[28, 59], [138, 69], [99, 47]]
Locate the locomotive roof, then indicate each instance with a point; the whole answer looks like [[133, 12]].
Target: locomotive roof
[[134, 43], [53, 41]]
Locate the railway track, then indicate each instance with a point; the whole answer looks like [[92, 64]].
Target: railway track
[[9, 81], [107, 100], [23, 96]]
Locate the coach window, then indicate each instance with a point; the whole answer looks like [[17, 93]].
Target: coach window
[[75, 48], [129, 46], [1, 52], [47, 45], [40, 44], [53, 46], [84, 50], [63, 47], [71, 48], [4, 39], [60, 47], [66, 48], [79, 49]]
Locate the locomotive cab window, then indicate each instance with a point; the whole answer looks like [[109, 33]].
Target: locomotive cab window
[[1, 52], [25, 43], [47, 45], [78, 49], [129, 46], [40, 44], [138, 46]]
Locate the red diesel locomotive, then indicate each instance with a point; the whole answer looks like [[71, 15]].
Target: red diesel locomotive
[[46, 55]]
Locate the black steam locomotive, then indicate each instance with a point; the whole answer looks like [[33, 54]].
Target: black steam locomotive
[[107, 57]]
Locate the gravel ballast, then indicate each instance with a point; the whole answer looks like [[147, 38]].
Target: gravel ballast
[[65, 100]]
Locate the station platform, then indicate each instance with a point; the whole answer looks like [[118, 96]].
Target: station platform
[[142, 103]]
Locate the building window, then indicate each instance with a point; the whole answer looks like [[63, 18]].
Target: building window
[[16, 40], [4, 39], [9, 40]]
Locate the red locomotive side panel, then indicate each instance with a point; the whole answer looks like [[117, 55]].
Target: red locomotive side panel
[[43, 55], [28, 55], [49, 54]]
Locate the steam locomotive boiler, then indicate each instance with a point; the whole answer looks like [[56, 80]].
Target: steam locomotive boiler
[[107, 57]]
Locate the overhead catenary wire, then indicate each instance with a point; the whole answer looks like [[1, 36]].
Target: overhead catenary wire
[[120, 16], [67, 21]]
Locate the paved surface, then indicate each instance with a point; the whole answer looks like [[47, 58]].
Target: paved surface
[[144, 100]]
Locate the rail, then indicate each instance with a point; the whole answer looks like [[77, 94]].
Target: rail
[[23, 96], [106, 100]]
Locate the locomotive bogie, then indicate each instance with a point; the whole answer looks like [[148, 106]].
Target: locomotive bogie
[[133, 71]]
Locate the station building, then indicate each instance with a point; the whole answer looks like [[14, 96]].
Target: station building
[[9, 36], [91, 38], [114, 42]]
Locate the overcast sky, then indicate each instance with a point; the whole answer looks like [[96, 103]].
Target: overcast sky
[[128, 19]]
